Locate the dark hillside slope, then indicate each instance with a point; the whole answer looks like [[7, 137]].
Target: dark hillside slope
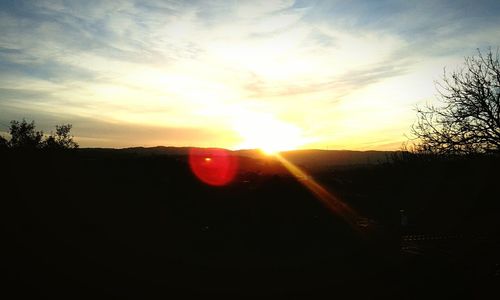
[[125, 226], [118, 224]]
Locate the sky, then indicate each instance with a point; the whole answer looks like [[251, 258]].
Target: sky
[[235, 74]]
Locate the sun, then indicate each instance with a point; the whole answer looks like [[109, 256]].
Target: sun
[[273, 143], [272, 150], [264, 132]]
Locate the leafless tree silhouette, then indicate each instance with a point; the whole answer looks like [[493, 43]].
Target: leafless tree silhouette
[[466, 119]]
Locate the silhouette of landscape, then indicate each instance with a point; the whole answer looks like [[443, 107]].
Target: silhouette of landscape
[[136, 222], [250, 149]]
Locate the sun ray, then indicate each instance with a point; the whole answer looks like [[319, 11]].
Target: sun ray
[[332, 202]]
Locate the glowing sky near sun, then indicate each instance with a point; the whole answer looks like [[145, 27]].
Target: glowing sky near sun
[[236, 74]]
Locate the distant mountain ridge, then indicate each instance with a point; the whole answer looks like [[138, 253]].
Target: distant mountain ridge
[[324, 158], [309, 158]]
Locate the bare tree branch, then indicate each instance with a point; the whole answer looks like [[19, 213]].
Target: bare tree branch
[[467, 119]]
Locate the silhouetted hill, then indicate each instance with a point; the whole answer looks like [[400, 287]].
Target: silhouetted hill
[[320, 159], [157, 150], [314, 160], [132, 223]]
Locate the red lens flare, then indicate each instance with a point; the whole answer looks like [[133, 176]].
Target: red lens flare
[[213, 166]]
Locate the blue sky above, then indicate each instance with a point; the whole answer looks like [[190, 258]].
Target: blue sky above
[[336, 74]]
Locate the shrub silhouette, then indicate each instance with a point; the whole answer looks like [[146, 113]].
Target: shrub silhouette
[[24, 136], [62, 139], [4, 143]]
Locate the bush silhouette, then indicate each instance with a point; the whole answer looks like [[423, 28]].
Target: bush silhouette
[[4, 143], [24, 136], [62, 139]]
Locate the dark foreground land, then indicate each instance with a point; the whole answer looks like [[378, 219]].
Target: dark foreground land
[[127, 225]]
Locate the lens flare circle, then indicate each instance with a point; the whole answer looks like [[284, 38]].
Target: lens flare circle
[[215, 167]]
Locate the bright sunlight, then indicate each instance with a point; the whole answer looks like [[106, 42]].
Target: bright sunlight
[[264, 132]]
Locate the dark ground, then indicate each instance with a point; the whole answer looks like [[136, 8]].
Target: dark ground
[[120, 225]]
